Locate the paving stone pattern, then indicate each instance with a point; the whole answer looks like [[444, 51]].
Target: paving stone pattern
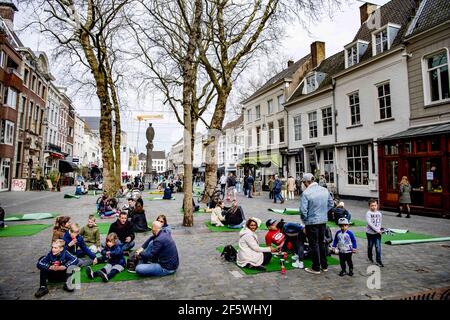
[[204, 275]]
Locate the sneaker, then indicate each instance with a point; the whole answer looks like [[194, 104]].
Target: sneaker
[[408, 216], [380, 264], [342, 273], [399, 215], [325, 270], [103, 275], [89, 273], [42, 291], [350, 273], [312, 271], [66, 288], [298, 264], [132, 271], [295, 257]]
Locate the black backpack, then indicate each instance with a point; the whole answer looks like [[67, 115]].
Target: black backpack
[[229, 253]]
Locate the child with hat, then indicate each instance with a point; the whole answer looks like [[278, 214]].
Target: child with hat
[[345, 244]]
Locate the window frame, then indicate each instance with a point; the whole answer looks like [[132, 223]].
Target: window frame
[[298, 127], [351, 45], [258, 112], [280, 105], [389, 41], [426, 79], [383, 97], [270, 108], [313, 130], [7, 132], [354, 158], [281, 130], [350, 105], [6, 97], [271, 135], [327, 122], [258, 136]]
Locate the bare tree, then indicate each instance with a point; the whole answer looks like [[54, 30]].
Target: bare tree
[[167, 34], [235, 32], [86, 30]]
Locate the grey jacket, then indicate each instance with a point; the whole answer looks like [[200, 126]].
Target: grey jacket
[[405, 194], [314, 204]]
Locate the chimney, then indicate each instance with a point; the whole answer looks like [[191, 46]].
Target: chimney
[[366, 10], [290, 63], [317, 53], [7, 9]]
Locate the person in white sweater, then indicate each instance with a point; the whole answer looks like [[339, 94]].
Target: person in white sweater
[[250, 254], [373, 232], [216, 215]]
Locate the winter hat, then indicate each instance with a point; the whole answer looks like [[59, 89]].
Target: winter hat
[[340, 204]]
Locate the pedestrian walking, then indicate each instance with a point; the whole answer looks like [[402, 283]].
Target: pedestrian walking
[[250, 181], [277, 185], [314, 205], [404, 196], [270, 184], [291, 187], [223, 183]]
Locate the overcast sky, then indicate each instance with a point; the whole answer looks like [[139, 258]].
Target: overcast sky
[[335, 31]]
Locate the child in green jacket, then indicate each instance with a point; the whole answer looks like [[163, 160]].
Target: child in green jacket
[[91, 235]]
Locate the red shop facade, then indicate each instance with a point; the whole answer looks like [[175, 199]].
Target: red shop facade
[[423, 155]]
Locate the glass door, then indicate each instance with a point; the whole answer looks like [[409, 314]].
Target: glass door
[[4, 174], [417, 180]]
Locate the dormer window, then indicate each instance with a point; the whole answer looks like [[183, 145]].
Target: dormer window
[[382, 39], [354, 51], [312, 82]]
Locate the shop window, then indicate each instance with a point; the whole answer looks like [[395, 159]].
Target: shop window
[[358, 165], [421, 146], [391, 149], [434, 175], [408, 147], [328, 159], [435, 144], [392, 175]]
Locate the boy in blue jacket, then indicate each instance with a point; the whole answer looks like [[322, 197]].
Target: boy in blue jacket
[[345, 244], [76, 246], [58, 265], [114, 257]]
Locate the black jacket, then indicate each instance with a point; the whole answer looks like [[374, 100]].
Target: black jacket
[[122, 230], [139, 221], [234, 217]]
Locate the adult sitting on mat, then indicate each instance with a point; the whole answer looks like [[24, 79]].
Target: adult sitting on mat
[[167, 194], [162, 218], [158, 255], [234, 216], [250, 254], [217, 218], [124, 230], [339, 212], [138, 218], [105, 210]]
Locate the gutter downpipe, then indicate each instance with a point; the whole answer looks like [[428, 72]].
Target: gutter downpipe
[[333, 83]]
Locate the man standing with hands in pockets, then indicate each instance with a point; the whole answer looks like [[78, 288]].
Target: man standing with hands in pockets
[[314, 205]]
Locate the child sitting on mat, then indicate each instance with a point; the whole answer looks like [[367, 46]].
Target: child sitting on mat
[[91, 235], [115, 260], [75, 245], [216, 215], [62, 224], [345, 244], [58, 265]]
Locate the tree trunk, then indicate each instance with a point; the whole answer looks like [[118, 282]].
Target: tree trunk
[[212, 145]]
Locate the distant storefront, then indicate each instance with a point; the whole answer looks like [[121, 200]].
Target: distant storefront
[[423, 155]]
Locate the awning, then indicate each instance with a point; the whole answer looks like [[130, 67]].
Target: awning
[[419, 132], [264, 161], [66, 166]]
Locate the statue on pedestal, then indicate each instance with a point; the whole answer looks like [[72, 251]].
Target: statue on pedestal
[[150, 134]]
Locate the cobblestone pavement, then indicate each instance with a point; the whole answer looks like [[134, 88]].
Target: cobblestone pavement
[[204, 275]]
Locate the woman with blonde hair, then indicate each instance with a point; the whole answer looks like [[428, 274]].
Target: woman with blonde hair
[[405, 196]]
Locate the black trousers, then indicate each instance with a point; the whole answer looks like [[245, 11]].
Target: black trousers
[[317, 246], [267, 257], [346, 258], [270, 194], [2, 217], [52, 276]]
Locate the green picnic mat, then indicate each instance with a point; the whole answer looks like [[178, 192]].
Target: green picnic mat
[[225, 229], [353, 223], [71, 196], [94, 193], [157, 199], [122, 276], [274, 264], [22, 230], [397, 236], [31, 216], [286, 211]]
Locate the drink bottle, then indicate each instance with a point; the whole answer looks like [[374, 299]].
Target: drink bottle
[[283, 268], [285, 256]]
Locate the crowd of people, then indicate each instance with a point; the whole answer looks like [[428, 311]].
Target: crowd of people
[[74, 247]]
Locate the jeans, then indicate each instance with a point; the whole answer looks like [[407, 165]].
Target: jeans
[[374, 239], [152, 270], [317, 246], [127, 246], [294, 235], [237, 226], [277, 195], [250, 188], [346, 258], [238, 187]]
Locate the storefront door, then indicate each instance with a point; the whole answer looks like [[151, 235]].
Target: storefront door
[[425, 177], [417, 181]]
